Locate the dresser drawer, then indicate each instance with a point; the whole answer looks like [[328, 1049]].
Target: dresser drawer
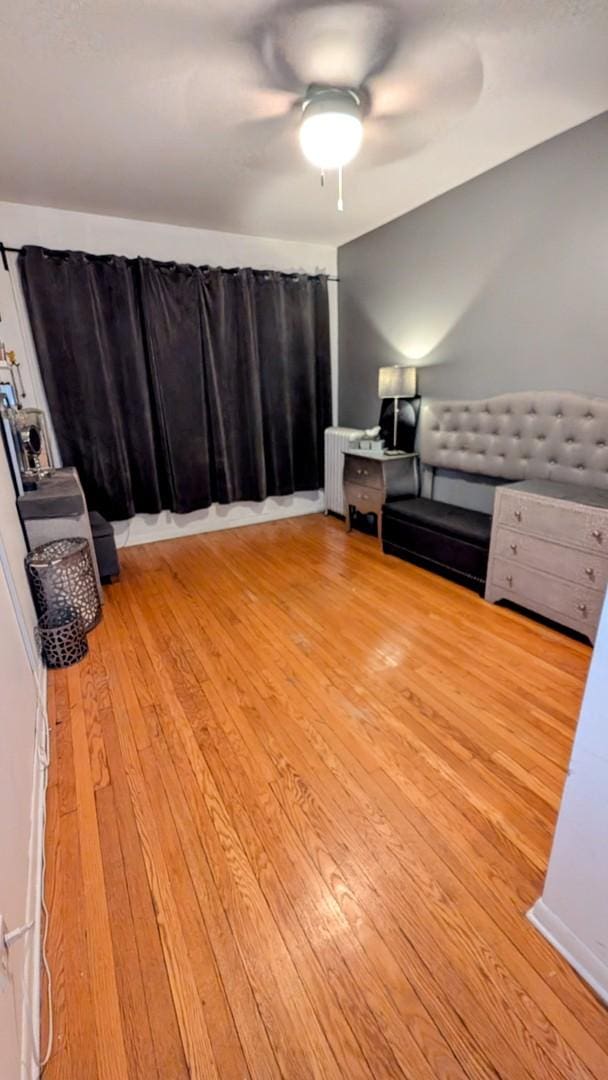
[[570, 603], [578, 567], [552, 519], [363, 472], [369, 500]]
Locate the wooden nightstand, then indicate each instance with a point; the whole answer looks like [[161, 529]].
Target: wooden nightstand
[[372, 477]]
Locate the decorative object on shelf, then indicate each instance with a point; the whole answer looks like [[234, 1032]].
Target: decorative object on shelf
[[62, 638], [397, 389], [11, 383], [371, 440], [372, 477], [34, 444], [62, 577], [11, 394]]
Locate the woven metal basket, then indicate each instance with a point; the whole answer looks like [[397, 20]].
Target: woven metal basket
[[62, 579], [62, 638]]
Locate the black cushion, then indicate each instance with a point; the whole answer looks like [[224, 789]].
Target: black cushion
[[469, 525]]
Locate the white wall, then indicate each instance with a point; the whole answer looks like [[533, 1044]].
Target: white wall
[[96, 233], [21, 778], [573, 911]]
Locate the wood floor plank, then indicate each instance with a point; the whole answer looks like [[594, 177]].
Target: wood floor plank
[[139, 1045], [188, 1006], [111, 1055], [290, 834], [162, 1019]]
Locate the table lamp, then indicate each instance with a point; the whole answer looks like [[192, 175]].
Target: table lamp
[[396, 382]]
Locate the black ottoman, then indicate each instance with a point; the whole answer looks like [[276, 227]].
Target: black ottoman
[[450, 540], [105, 548]]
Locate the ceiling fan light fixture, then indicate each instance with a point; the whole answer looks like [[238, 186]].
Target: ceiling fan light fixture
[[331, 131]]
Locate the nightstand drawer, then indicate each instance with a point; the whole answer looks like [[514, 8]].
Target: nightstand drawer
[[542, 592], [363, 472], [567, 523], [569, 563], [367, 500]]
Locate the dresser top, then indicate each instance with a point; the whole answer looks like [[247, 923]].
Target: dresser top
[[585, 496], [379, 455], [57, 495]]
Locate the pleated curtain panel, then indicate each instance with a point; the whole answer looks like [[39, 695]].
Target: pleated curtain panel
[[173, 386]]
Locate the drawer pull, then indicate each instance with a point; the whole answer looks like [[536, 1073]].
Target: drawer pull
[[513, 548], [582, 607], [359, 471], [365, 497], [517, 514], [509, 579], [590, 572], [597, 535], [365, 472]]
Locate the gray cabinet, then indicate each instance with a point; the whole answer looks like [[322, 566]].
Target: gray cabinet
[[371, 478], [549, 551]]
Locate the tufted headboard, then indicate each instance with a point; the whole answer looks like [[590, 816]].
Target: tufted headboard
[[540, 435]]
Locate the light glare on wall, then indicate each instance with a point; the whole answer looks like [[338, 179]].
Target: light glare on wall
[[417, 350]]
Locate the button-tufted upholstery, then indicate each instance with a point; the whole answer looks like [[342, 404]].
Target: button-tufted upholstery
[[540, 435]]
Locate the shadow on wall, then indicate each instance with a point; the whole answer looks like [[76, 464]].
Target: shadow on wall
[[497, 285], [470, 333]]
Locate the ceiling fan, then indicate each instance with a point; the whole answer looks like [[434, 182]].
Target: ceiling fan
[[369, 75]]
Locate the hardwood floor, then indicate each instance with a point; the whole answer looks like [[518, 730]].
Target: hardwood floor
[[301, 797]]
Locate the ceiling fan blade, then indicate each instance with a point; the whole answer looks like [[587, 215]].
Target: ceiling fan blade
[[331, 44], [426, 92], [264, 103], [270, 144], [432, 72]]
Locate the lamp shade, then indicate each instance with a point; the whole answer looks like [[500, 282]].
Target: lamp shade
[[396, 382]]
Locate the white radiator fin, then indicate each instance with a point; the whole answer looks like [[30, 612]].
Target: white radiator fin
[[337, 439]]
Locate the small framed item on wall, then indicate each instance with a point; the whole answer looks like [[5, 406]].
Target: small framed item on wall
[[9, 436]]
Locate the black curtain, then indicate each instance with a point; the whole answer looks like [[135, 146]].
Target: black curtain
[[172, 387]]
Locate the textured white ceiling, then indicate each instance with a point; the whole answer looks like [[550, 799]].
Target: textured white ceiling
[[183, 111]]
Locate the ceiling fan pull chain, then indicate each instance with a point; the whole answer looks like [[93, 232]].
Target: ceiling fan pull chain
[[322, 177], [340, 199]]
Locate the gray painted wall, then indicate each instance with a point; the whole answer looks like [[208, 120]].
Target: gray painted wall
[[501, 284]]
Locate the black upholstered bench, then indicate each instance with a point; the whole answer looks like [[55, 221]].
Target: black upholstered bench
[[447, 539]]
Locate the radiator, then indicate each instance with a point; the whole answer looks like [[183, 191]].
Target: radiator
[[337, 439]]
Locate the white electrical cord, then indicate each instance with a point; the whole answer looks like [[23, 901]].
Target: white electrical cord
[[45, 757], [10, 937]]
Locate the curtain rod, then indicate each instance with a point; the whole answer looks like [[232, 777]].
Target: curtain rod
[[4, 248]]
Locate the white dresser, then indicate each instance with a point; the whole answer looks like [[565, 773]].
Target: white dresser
[[549, 551]]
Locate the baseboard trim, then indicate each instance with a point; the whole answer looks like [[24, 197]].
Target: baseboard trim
[[150, 528], [30, 1013], [588, 966]]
